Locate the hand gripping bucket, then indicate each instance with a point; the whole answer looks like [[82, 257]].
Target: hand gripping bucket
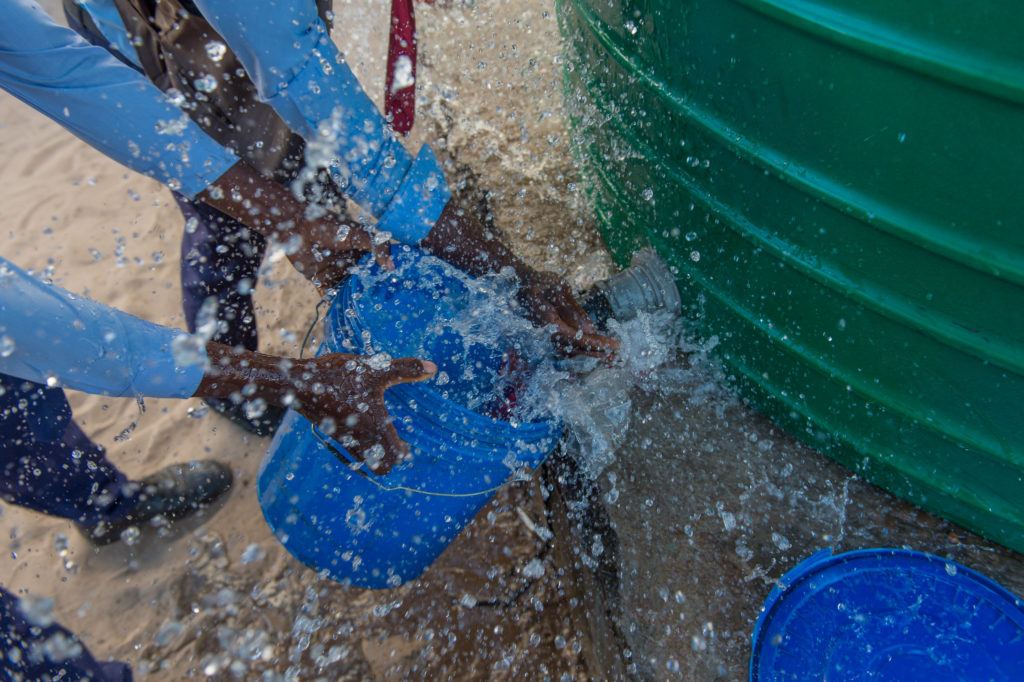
[[379, 531]]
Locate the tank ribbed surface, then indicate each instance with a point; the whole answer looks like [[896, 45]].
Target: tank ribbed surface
[[839, 187]]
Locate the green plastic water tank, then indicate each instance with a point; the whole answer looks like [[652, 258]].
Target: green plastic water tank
[[840, 187]]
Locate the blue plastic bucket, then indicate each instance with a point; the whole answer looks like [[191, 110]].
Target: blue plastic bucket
[[887, 615], [379, 531]]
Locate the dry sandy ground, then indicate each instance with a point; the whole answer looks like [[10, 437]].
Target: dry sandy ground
[[490, 91]]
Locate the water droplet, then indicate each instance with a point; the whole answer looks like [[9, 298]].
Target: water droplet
[[38, 611], [175, 97], [60, 647], [781, 541], [252, 554], [379, 361], [255, 408], [403, 74], [216, 50], [198, 412], [374, 455], [175, 126], [130, 535], [60, 544], [534, 569], [167, 633], [7, 346], [206, 83]]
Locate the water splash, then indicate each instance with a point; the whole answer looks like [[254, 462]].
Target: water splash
[[488, 328]]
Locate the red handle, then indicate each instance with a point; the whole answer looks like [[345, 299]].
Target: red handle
[[400, 84]]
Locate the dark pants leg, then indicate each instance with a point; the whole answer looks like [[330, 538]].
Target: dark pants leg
[[34, 648], [220, 257], [49, 465]]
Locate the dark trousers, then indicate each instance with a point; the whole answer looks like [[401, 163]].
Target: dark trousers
[[34, 648], [220, 258], [49, 465]]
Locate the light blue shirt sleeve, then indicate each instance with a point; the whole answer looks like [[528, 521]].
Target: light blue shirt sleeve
[[106, 103], [287, 51], [105, 15], [51, 336]]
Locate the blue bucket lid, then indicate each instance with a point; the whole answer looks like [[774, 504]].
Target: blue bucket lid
[[888, 614]]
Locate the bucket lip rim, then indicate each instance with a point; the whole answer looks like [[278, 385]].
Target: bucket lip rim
[[300, 426], [823, 561], [542, 427], [485, 429]]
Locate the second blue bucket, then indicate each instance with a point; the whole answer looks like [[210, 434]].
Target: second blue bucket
[[379, 531]]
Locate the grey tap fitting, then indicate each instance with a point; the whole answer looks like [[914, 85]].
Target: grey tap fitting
[[647, 285]]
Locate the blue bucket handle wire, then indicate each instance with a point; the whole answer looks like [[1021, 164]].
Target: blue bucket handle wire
[[357, 466]]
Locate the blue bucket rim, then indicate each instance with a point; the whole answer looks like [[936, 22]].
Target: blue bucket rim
[[487, 429], [824, 560]]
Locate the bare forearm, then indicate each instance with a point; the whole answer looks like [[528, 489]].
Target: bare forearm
[[270, 209], [341, 393], [249, 374], [245, 195], [463, 240]]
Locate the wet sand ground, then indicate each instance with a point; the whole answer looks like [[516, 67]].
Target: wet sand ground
[[706, 507]]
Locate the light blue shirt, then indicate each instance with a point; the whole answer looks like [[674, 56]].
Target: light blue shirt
[[287, 51], [107, 19], [51, 336], [297, 69], [106, 103]]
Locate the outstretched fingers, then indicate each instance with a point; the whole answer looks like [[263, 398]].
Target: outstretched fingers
[[408, 370], [378, 445], [377, 440], [382, 256]]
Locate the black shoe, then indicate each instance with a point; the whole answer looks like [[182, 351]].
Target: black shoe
[[172, 493], [264, 425]]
